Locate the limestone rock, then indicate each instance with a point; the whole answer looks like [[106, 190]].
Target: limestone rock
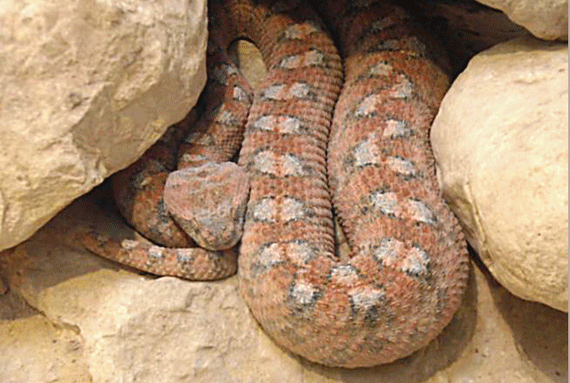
[[36, 350], [85, 88], [98, 323], [249, 61], [546, 19], [500, 141]]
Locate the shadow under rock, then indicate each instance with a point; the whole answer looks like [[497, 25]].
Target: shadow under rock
[[540, 332], [440, 353], [12, 307], [54, 255], [465, 27]]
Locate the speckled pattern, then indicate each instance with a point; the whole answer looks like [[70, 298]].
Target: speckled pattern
[[407, 270], [139, 190], [408, 264]]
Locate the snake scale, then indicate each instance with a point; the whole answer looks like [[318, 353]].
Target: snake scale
[[313, 139]]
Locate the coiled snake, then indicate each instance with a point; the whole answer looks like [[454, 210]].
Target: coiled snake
[[312, 138]]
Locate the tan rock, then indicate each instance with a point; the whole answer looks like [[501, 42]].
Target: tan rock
[[249, 61], [546, 19], [36, 350], [133, 328], [85, 88], [500, 141]]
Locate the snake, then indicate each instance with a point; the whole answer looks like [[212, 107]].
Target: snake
[[338, 128]]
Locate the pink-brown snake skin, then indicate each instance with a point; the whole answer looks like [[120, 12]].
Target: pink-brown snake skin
[[349, 130]]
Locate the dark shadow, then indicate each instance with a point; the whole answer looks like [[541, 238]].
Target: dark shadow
[[12, 307], [465, 27], [54, 255]]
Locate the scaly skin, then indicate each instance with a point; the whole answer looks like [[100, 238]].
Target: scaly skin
[[408, 267], [139, 190], [407, 270]]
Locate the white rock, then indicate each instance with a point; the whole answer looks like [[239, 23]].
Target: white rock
[[546, 19], [500, 141], [85, 88]]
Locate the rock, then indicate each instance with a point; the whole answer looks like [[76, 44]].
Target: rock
[[35, 350], [546, 19], [500, 142], [85, 89], [249, 61], [104, 324]]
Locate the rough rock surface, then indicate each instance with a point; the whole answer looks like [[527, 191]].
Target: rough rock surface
[[500, 140], [546, 19], [85, 88], [96, 323]]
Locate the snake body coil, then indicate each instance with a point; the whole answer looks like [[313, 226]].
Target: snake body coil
[[407, 269]]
